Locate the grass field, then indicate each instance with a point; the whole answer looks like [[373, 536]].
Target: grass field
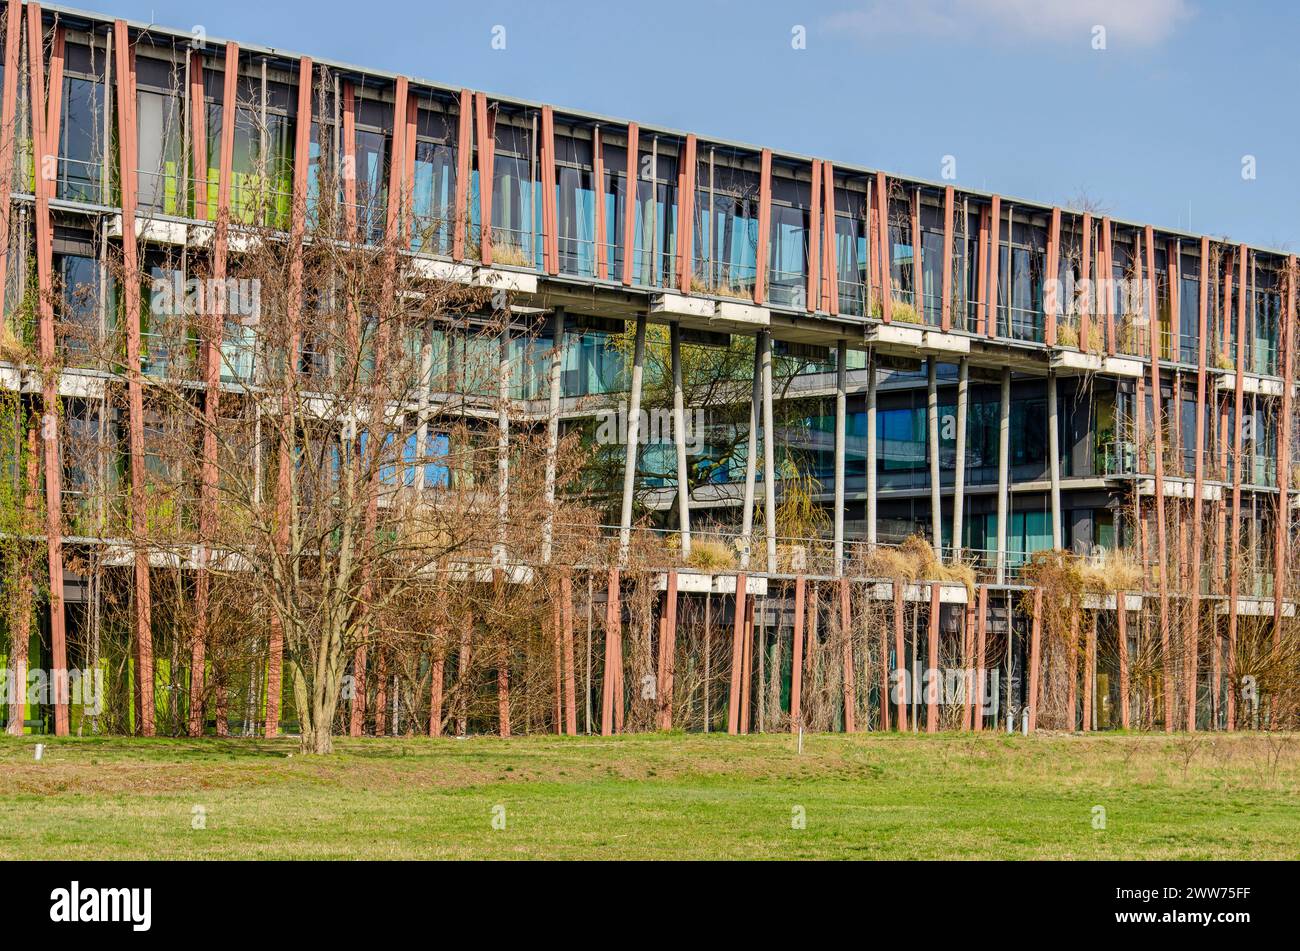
[[656, 796]]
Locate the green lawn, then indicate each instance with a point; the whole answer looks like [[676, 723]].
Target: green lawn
[[656, 796]]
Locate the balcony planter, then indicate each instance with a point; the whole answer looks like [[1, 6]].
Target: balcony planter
[[906, 338], [498, 279], [939, 342], [1256, 607], [435, 270], [679, 305], [747, 315], [1107, 602], [1124, 366], [918, 593], [1251, 383], [1073, 361]]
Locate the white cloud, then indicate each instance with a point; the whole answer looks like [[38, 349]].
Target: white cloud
[[1127, 22]]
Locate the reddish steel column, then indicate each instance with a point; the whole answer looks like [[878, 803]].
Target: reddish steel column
[[293, 313], [435, 691], [357, 723], [1234, 555], [764, 226], [406, 225], [485, 135], [1282, 522], [570, 678], [830, 280], [1106, 274], [918, 275], [381, 694], [349, 137], [462, 674], [982, 273], [747, 677], [199, 135], [464, 146], [213, 328], [550, 226], [1157, 429], [949, 198], [1072, 694], [814, 289], [1089, 665], [796, 663], [900, 659], [967, 660], [613, 658], [1121, 618], [45, 139], [737, 658], [1035, 648], [556, 634], [995, 263], [686, 215], [668, 655], [932, 662], [398, 183], [1086, 299], [8, 118], [1051, 295], [126, 129], [850, 685], [631, 186], [884, 677], [598, 176], [503, 696], [1198, 490], [882, 248], [981, 621], [1173, 270]]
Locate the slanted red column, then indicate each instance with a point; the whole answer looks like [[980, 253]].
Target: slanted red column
[[1035, 648], [796, 666], [900, 659], [293, 312], [8, 120], [1121, 617], [933, 685], [45, 140], [981, 630], [436, 673], [570, 680], [737, 658], [612, 687], [846, 633]]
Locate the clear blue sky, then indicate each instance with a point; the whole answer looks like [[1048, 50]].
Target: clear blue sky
[[1153, 128]]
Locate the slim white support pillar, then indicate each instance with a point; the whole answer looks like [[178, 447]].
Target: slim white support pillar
[[769, 454], [679, 437], [1004, 454], [633, 440], [871, 449], [959, 465], [1054, 459], [841, 407], [751, 460], [932, 423], [553, 434]]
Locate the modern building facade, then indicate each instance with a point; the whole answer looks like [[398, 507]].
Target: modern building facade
[[998, 376]]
